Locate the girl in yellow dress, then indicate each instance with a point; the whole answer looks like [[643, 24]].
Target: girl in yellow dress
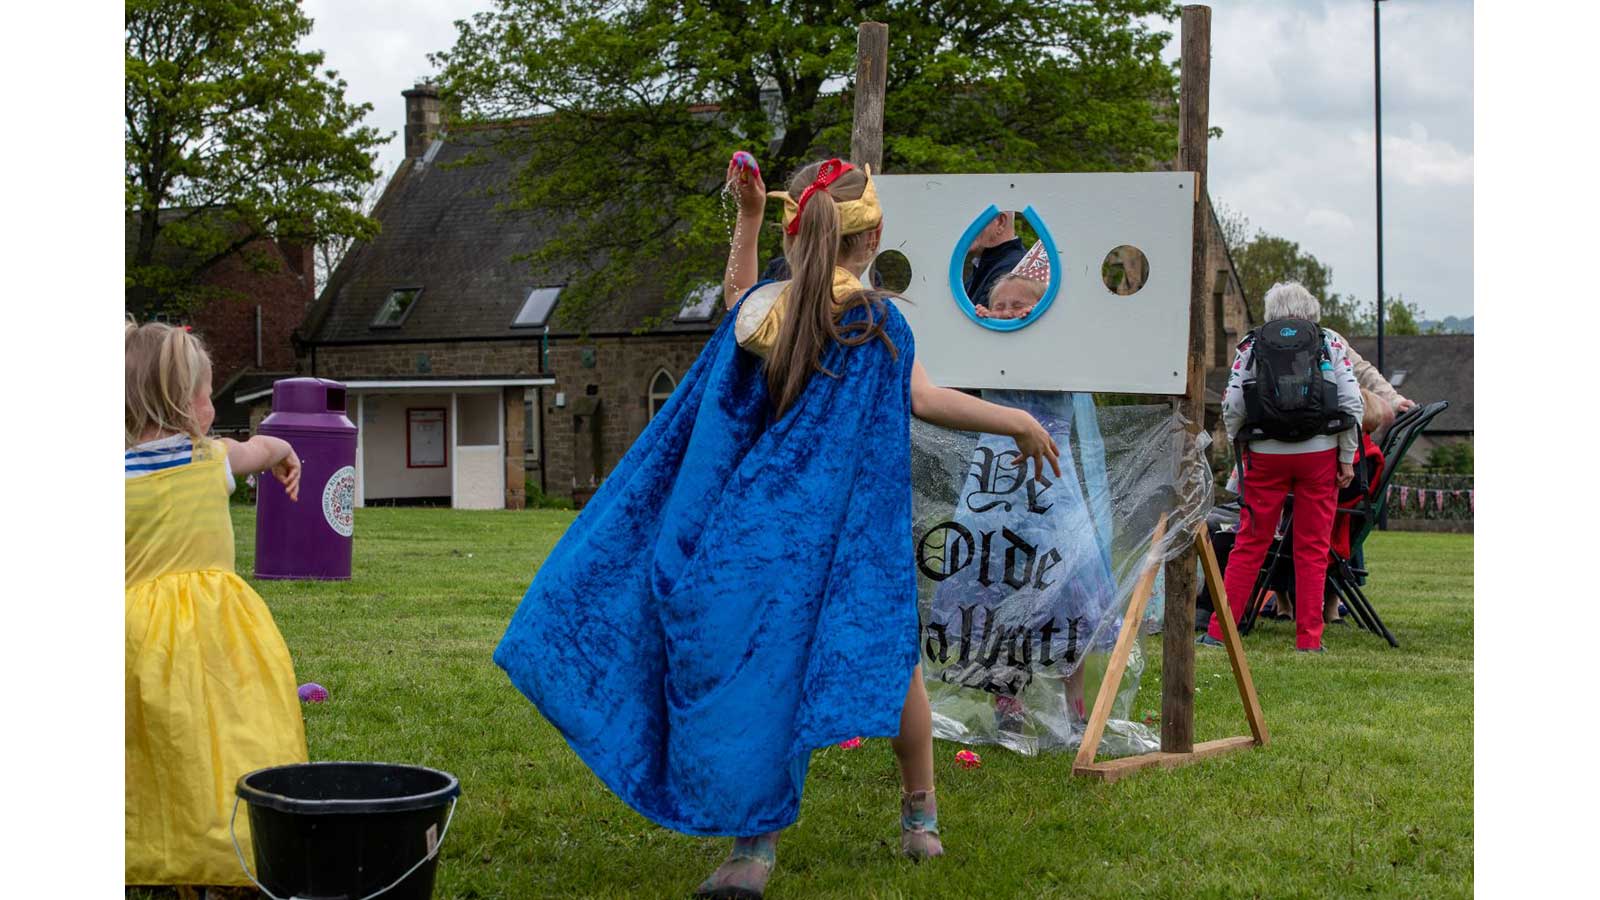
[[210, 691]]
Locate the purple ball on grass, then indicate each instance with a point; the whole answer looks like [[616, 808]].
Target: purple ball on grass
[[311, 692]]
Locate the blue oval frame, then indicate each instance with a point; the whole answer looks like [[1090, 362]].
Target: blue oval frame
[[959, 257]]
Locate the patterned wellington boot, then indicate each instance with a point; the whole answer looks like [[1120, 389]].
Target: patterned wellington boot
[[743, 875], [919, 826]]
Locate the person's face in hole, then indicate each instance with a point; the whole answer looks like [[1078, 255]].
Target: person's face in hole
[[1014, 298]]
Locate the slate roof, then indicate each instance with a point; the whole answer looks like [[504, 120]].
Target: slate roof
[[233, 417], [442, 233], [1437, 367]]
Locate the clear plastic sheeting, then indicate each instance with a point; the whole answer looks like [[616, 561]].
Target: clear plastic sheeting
[[1023, 582]]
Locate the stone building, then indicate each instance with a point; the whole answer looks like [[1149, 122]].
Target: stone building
[[1227, 322], [1427, 368], [463, 382]]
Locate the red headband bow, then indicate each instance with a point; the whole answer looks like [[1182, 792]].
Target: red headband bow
[[826, 175]]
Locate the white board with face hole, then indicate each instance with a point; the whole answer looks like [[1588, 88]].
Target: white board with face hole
[[1089, 338]]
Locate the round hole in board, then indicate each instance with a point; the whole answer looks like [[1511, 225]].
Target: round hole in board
[[891, 271], [1016, 287], [1125, 270]]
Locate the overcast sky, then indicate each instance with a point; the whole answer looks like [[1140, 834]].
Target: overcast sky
[[1291, 88]]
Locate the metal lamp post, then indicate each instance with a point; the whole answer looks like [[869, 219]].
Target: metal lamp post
[[1377, 113]]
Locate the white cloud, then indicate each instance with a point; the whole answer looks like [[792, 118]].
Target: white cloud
[[1291, 88], [1329, 220], [1416, 160], [381, 47]]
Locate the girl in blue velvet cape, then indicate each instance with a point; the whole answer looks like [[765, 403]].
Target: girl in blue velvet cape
[[741, 590]]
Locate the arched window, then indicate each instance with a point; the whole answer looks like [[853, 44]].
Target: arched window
[[661, 387]]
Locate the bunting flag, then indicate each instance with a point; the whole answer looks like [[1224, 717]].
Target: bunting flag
[[1400, 496], [1035, 264]]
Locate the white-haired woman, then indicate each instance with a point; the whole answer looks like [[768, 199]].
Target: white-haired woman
[[1312, 469]]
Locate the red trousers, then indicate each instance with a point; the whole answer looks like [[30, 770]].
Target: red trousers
[[1268, 478]]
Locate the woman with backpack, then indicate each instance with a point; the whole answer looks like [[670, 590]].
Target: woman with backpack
[[1293, 410]]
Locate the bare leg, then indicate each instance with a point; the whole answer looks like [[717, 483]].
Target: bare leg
[[913, 747], [1073, 686]]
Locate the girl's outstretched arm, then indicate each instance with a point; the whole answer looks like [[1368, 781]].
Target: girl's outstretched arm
[[261, 453], [953, 409], [742, 268]]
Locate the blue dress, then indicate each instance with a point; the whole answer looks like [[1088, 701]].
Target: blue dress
[[739, 592], [1023, 564]]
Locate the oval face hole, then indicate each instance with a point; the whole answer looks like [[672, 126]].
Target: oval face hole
[[1005, 271], [1125, 270], [891, 271]]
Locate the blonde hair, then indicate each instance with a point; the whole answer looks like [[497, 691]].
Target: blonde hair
[[165, 369], [813, 314], [1376, 413], [1033, 288]]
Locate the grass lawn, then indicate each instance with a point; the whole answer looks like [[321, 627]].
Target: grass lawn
[[1366, 787]]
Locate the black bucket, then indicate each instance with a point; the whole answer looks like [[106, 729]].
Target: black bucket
[[347, 831]]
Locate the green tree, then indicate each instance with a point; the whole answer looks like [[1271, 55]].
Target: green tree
[[1346, 315], [231, 134], [639, 103], [1400, 316], [1235, 227], [1350, 316], [1267, 259], [1454, 459]]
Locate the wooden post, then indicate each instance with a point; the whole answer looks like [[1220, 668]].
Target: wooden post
[[872, 70], [1177, 659], [1230, 638], [1095, 728]]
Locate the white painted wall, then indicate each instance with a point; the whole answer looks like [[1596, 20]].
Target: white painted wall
[[480, 478], [384, 449], [480, 452]]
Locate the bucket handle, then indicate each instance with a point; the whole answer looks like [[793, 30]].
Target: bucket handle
[[437, 846]]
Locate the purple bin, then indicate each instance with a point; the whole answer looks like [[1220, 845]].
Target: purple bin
[[309, 539]]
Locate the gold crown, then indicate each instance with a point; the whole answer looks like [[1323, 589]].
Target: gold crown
[[855, 216]]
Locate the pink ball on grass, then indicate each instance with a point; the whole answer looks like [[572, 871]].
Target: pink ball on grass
[[311, 692]]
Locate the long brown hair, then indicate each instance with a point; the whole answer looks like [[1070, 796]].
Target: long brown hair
[[813, 316]]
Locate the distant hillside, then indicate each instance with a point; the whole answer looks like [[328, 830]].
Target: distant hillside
[[1450, 325]]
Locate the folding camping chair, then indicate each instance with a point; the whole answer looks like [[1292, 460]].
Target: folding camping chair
[[1277, 572]]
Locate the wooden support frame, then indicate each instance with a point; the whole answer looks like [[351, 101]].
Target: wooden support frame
[[1177, 652], [1116, 769], [1177, 683]]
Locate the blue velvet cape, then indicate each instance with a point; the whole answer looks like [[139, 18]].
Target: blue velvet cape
[[739, 591]]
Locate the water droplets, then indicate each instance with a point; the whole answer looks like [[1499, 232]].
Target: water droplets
[[730, 212]]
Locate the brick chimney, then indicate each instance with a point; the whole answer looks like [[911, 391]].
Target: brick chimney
[[302, 261], [423, 108]]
